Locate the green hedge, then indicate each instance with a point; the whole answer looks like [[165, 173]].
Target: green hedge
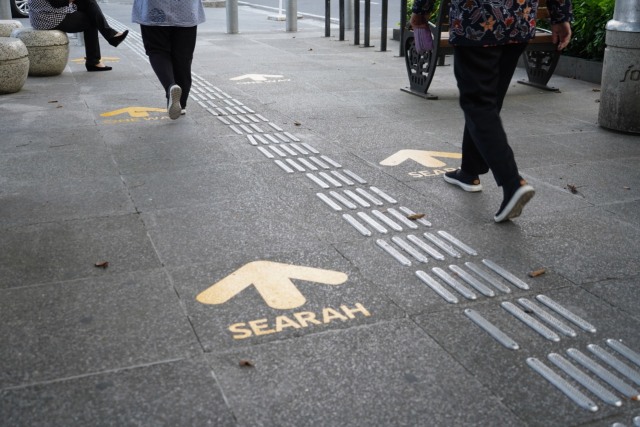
[[590, 19]]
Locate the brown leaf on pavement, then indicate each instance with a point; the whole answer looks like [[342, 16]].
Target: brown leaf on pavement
[[538, 272], [415, 216], [246, 363], [102, 264]]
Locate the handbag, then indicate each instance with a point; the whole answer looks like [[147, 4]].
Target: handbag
[[423, 39]]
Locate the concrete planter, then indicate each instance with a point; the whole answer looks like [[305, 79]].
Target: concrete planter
[[48, 50], [580, 69], [7, 26], [14, 64]]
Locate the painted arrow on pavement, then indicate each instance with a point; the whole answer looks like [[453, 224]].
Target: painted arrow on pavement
[[273, 282], [134, 111], [425, 158], [257, 77]]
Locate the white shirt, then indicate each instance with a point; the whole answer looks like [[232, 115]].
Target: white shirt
[[168, 13]]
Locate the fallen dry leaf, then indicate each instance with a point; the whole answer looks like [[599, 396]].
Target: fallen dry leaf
[[52, 102], [102, 264], [626, 188], [297, 123], [415, 216], [538, 272], [246, 363]]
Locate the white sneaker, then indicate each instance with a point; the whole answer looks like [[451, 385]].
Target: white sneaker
[[183, 111], [173, 107]]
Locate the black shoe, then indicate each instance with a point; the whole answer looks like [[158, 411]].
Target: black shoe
[[116, 40], [463, 180], [515, 199], [96, 68]]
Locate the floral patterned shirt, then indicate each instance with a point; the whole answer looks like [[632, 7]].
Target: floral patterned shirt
[[495, 22]]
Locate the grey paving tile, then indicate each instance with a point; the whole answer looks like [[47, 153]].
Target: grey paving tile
[[66, 250], [593, 180], [251, 317], [63, 330], [506, 373], [620, 293], [75, 138], [584, 246], [389, 373], [256, 225], [23, 203], [181, 392], [57, 164]]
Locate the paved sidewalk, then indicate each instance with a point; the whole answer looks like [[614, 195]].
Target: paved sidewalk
[[262, 266]]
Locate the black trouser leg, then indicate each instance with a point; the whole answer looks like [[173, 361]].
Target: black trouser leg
[[80, 22], [90, 20], [170, 51], [93, 11], [483, 75], [183, 45]]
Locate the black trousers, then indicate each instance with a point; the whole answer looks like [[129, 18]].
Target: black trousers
[[170, 51], [90, 19], [483, 75]]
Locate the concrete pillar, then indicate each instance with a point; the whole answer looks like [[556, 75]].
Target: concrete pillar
[[292, 15], [348, 14], [5, 9], [232, 16], [620, 91]]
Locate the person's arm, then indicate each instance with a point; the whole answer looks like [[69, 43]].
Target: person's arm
[[561, 14], [420, 13]]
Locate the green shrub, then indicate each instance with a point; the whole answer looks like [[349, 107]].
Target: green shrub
[[590, 20]]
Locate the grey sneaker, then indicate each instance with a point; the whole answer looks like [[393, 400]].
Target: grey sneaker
[[173, 106], [463, 180], [512, 205]]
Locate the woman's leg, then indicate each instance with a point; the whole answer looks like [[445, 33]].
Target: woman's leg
[[94, 13], [80, 22], [183, 43], [157, 45]]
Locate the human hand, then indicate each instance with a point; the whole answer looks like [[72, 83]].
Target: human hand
[[418, 21], [561, 34]]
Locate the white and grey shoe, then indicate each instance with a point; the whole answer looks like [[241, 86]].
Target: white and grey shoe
[[173, 106]]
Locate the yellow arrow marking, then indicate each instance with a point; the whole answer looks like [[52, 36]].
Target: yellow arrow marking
[[273, 282], [425, 158], [134, 111], [104, 59]]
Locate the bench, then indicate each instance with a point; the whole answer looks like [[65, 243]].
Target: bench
[[540, 57]]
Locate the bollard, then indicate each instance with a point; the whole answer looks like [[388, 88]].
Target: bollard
[[5, 10], [356, 23], [367, 23], [292, 15], [403, 24], [348, 14], [232, 16], [383, 26], [620, 87], [341, 19], [327, 18]]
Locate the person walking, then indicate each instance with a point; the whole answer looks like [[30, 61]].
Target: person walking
[[169, 29], [75, 16], [488, 38]]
